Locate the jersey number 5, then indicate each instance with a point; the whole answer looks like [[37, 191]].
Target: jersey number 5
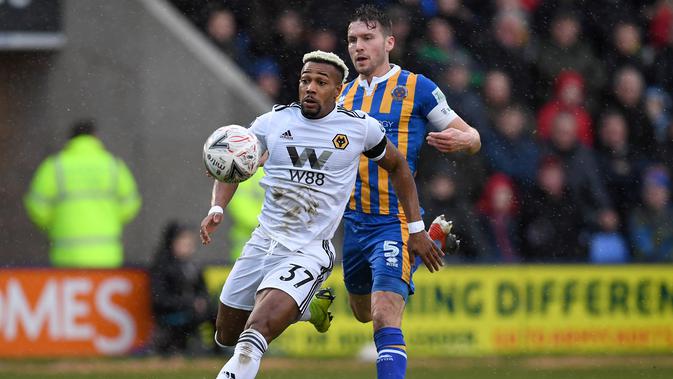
[[291, 274]]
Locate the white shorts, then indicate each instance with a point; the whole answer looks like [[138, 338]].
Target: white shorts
[[266, 264]]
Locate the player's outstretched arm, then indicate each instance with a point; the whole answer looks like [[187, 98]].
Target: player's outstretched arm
[[400, 175], [222, 194], [458, 136]]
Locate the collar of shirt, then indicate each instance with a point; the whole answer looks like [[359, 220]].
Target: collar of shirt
[[369, 87]]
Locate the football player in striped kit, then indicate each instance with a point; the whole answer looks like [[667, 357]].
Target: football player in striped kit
[[378, 264]]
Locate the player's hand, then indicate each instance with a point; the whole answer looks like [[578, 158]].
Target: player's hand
[[420, 244], [208, 225], [449, 140]]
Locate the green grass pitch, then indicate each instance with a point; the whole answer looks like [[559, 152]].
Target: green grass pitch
[[626, 367]]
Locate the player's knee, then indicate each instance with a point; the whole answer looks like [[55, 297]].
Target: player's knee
[[387, 310], [361, 313]]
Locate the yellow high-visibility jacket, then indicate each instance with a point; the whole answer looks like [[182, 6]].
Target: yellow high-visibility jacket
[[82, 197], [244, 208]]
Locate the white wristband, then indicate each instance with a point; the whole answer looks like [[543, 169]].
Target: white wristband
[[215, 209], [416, 226]]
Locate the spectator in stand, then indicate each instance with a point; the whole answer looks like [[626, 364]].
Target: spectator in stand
[[663, 62], [658, 111], [441, 195], [619, 164], [513, 150], [608, 245], [580, 168], [455, 84], [325, 40], [497, 94], [82, 197], [401, 54], [651, 224], [666, 148], [626, 49], [459, 16], [661, 25], [550, 220], [509, 48], [179, 297], [627, 98], [470, 170], [223, 31], [437, 48], [267, 77], [565, 51], [568, 98], [497, 210], [600, 18], [288, 46]]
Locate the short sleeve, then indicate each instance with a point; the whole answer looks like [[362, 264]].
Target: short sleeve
[[432, 104], [260, 127], [375, 140]]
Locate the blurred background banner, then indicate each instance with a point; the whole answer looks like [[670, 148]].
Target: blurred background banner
[[49, 312], [30, 25], [471, 311]]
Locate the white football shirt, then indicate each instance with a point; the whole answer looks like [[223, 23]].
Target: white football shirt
[[311, 169]]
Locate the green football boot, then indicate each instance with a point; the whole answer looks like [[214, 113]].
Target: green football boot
[[321, 317]]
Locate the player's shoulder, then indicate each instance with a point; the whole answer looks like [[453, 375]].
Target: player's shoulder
[[285, 107], [352, 113], [282, 111], [424, 84], [426, 90]]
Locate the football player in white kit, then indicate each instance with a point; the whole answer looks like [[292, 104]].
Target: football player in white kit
[[313, 151]]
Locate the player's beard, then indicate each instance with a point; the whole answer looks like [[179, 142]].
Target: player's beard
[[309, 114]]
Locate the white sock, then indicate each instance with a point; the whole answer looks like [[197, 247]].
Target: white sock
[[306, 316], [244, 364]]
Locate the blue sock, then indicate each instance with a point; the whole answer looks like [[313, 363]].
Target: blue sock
[[392, 359]]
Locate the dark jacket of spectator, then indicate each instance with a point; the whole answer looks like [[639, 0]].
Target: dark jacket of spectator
[[550, 219], [627, 98], [619, 165], [498, 216], [651, 225], [442, 196], [512, 150], [580, 167], [179, 294], [509, 49], [564, 51]]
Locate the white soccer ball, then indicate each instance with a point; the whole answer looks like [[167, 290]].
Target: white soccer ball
[[231, 154]]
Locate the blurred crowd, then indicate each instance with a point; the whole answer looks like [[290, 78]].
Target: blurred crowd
[[572, 99]]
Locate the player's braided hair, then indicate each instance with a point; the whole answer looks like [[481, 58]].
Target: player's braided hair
[[370, 15], [329, 58]]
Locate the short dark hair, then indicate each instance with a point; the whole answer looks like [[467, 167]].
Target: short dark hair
[[83, 127], [370, 15]]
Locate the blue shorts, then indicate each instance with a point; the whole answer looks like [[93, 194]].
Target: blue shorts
[[375, 256]]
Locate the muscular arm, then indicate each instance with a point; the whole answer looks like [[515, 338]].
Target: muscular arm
[[222, 194], [457, 136], [403, 182]]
